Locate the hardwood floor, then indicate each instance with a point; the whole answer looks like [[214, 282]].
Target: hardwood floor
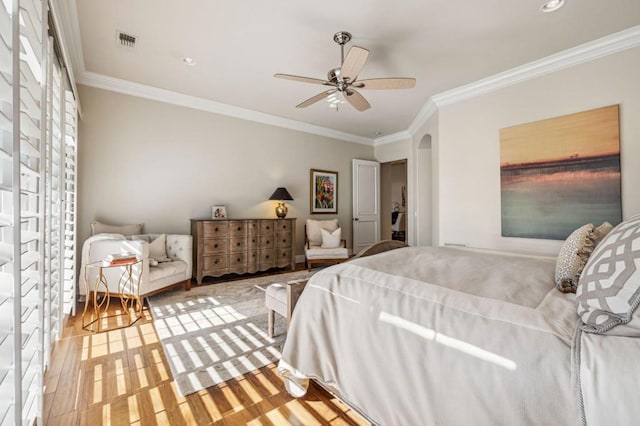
[[121, 377]]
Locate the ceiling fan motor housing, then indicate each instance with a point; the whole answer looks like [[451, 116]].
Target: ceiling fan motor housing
[[342, 37]]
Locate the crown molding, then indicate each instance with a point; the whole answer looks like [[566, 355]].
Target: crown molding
[[614, 43], [126, 87], [427, 110], [608, 45], [394, 137]]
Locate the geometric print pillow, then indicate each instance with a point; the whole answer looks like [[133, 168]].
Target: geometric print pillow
[[608, 291]]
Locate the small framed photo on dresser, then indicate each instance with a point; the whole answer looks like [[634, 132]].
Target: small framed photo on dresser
[[218, 212]]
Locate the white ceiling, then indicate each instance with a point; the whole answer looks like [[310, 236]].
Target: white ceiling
[[239, 45]]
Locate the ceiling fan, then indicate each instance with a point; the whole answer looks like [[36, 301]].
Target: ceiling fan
[[344, 80]]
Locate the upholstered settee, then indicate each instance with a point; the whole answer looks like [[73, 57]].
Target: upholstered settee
[[156, 273]]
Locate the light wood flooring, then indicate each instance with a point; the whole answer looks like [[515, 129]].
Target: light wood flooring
[[121, 377]]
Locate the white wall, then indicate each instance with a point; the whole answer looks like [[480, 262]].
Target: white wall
[[469, 148], [143, 161]]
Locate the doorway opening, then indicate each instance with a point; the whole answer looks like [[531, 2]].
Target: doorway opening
[[393, 197]]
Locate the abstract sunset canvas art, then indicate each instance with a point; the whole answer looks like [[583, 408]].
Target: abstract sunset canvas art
[[558, 174]]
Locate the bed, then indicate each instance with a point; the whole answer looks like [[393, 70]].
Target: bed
[[447, 336]]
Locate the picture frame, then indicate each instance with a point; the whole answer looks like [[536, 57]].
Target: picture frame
[[218, 212], [324, 191]]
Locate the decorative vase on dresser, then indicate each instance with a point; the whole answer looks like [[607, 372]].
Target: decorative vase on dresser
[[241, 246]]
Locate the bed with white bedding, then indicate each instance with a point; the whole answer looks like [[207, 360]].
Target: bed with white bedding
[[445, 336]]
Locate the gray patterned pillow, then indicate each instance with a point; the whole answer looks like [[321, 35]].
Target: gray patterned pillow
[[609, 289], [573, 256]]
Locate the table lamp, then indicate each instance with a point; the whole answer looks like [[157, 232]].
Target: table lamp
[[281, 194]]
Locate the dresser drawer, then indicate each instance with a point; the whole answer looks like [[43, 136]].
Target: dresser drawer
[[252, 261], [216, 261], [267, 227], [237, 228], [266, 241], [252, 242], [215, 229], [283, 226], [283, 257], [237, 244], [215, 245], [282, 240], [238, 262], [266, 258], [253, 227]]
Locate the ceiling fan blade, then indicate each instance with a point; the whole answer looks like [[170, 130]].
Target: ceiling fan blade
[[356, 100], [302, 79], [315, 99], [353, 63], [386, 83]]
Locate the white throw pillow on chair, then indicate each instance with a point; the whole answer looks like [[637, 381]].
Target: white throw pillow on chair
[[313, 229], [157, 248], [331, 240]]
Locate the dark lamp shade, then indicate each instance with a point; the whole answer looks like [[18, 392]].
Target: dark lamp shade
[[281, 194]]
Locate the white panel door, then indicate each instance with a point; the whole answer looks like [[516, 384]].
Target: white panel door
[[366, 203]]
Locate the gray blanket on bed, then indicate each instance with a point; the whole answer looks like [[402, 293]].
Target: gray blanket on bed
[[437, 336]]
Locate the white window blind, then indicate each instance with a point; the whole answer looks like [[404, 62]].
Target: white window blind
[[37, 206], [70, 208]]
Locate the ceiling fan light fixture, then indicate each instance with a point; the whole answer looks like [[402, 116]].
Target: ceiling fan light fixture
[[334, 100], [344, 79], [551, 6]]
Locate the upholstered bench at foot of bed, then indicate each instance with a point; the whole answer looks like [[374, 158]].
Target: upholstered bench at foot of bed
[[282, 298]]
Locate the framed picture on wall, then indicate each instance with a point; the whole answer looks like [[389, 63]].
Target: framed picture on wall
[[218, 212], [324, 192]]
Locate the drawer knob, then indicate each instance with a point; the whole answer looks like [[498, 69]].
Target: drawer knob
[[267, 242], [215, 246], [238, 244], [267, 256], [216, 229], [238, 260], [239, 228], [216, 261], [267, 227]]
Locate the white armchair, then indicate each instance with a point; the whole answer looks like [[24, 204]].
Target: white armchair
[[323, 243], [171, 273]]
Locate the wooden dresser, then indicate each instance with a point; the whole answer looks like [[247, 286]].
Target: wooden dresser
[[241, 246]]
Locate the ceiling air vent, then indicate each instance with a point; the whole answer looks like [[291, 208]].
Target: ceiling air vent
[[125, 40]]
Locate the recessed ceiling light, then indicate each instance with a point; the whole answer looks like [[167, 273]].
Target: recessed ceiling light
[[552, 6], [378, 133], [188, 61]]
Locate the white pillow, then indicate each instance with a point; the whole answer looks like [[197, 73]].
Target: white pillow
[[313, 229], [331, 240], [157, 247]]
